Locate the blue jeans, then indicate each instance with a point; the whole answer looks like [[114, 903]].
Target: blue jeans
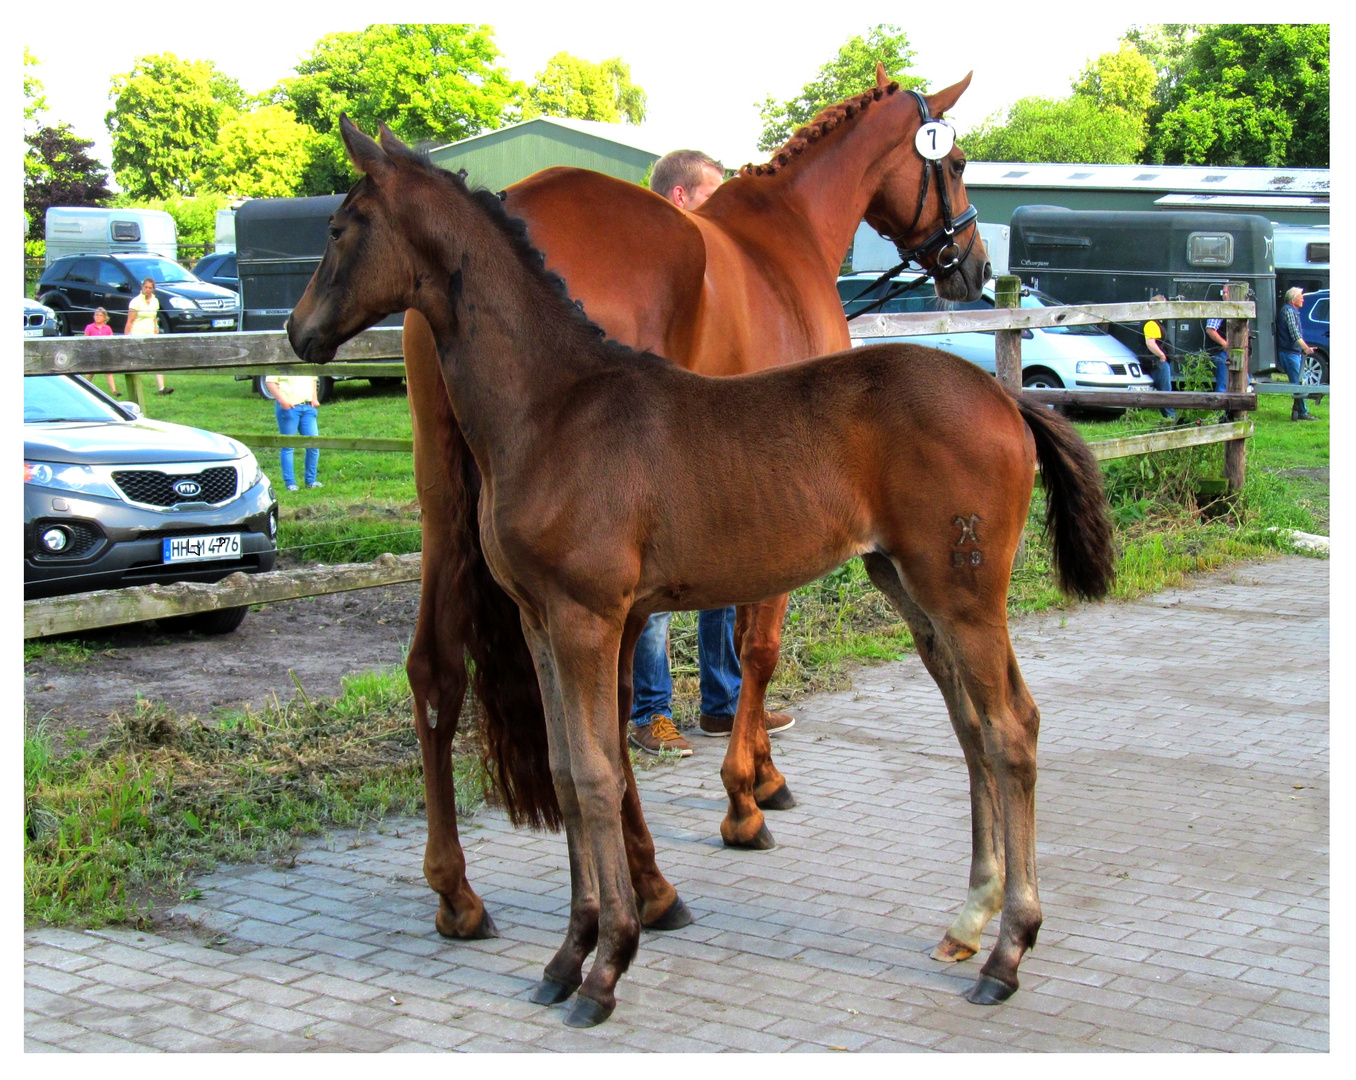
[[1221, 371], [718, 665], [1162, 377], [1290, 361], [300, 419]]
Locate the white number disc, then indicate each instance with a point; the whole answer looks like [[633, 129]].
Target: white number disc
[[935, 140]]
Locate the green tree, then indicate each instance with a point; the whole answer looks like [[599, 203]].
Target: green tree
[[425, 82], [1167, 46], [1250, 95], [1124, 79], [850, 72], [1075, 129], [164, 123], [587, 91], [263, 153], [67, 175], [34, 102]]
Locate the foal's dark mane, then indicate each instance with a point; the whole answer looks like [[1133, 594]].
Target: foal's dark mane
[[514, 230], [825, 121]]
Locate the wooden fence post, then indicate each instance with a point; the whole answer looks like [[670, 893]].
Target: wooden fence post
[[135, 390], [1008, 346], [1236, 452]]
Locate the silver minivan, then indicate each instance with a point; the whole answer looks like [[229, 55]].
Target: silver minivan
[[1072, 357]]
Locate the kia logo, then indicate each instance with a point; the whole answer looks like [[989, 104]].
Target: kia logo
[[187, 488]]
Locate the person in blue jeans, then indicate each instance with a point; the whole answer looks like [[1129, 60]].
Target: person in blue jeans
[[296, 402], [687, 178], [1218, 347], [1289, 344], [1159, 366]]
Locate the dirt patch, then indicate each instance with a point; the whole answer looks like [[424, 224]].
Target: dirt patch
[[319, 640]]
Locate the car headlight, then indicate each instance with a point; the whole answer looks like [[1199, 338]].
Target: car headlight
[[250, 473], [1093, 367], [78, 478], [183, 303]]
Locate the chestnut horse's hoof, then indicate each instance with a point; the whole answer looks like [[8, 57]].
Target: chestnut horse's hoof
[[449, 925], [989, 991], [951, 951], [781, 799], [550, 992], [675, 918], [760, 841], [587, 1013]]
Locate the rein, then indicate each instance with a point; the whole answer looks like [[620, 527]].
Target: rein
[[943, 241]]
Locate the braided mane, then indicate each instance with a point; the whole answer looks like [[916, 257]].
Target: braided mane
[[827, 119]]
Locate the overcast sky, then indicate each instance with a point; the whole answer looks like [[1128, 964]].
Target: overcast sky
[[704, 70]]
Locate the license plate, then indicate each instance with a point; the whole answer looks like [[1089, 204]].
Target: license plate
[[200, 548], [222, 322], [32, 331]]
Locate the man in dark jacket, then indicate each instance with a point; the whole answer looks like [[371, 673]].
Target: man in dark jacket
[[1290, 343]]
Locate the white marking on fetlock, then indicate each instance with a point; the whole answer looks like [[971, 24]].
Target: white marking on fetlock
[[982, 903]]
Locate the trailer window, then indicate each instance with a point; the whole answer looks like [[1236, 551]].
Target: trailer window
[[1210, 249], [1316, 253], [126, 231]]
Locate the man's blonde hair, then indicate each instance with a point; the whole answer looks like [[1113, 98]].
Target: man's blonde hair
[[681, 168]]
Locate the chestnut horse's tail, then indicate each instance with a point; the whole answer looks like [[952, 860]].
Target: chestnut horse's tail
[[1076, 517], [504, 679]]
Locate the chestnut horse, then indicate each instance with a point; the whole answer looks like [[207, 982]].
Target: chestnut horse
[[746, 282], [611, 482]]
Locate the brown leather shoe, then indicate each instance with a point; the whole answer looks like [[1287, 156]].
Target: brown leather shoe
[[659, 735], [719, 727]]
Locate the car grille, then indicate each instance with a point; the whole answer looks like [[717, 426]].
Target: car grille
[[1118, 369], [157, 488], [217, 304], [35, 318]]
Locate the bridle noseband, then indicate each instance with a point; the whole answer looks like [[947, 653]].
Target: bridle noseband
[[942, 243]]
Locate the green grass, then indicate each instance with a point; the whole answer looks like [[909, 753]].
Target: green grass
[[115, 829]]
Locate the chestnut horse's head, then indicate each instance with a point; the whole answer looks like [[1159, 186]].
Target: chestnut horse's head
[[367, 272], [921, 203]]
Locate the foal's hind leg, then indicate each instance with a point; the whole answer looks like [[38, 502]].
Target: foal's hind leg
[[985, 896], [751, 780], [439, 690]]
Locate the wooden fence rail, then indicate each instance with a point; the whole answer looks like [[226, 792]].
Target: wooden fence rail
[[267, 351]]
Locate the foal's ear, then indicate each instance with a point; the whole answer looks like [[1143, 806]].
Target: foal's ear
[[390, 142], [882, 78], [363, 151], [943, 101]]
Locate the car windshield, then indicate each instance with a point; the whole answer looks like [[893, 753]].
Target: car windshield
[[159, 270], [924, 298], [49, 399], [1033, 299]]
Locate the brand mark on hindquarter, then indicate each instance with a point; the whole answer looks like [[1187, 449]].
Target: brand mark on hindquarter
[[968, 535]]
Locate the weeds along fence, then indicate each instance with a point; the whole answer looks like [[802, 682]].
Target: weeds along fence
[[376, 353]]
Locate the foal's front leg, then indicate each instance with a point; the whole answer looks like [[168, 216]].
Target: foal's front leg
[[751, 781], [577, 665]]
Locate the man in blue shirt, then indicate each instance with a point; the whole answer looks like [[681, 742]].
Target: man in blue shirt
[[1289, 344]]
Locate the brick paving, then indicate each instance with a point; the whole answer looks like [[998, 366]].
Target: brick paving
[[1183, 820]]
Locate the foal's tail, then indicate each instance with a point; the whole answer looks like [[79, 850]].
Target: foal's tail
[[1076, 517]]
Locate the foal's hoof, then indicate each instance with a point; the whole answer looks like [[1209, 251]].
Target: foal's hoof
[[550, 992], [760, 841], [951, 951], [675, 918], [587, 1013], [781, 799], [449, 925], [989, 991]]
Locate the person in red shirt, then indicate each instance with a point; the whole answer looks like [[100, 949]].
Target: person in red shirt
[[100, 328]]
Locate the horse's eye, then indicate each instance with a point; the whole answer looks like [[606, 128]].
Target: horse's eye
[[958, 166], [335, 233]]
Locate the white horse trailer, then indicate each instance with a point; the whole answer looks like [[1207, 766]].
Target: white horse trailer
[[92, 230]]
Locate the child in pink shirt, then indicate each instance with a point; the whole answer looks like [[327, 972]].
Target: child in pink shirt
[[100, 328]]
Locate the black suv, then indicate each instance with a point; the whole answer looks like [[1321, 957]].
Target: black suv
[[74, 286]]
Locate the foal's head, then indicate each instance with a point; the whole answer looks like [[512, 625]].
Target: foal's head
[[374, 262]]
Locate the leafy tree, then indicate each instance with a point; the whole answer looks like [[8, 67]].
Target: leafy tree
[[587, 91], [425, 81], [68, 176], [1250, 95], [34, 102], [1075, 129], [1167, 46], [164, 123], [850, 72], [1124, 79], [264, 153]]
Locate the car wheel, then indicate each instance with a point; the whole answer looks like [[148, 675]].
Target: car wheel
[[57, 304], [164, 321], [1314, 369], [261, 387], [1041, 379], [223, 621], [324, 389]]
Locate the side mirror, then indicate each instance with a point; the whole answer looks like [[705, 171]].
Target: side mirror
[[122, 286], [1028, 335], [131, 407]]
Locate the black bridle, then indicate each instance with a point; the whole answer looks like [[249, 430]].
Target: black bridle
[[948, 256]]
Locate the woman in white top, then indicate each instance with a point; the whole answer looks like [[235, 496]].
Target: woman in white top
[[142, 314]]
